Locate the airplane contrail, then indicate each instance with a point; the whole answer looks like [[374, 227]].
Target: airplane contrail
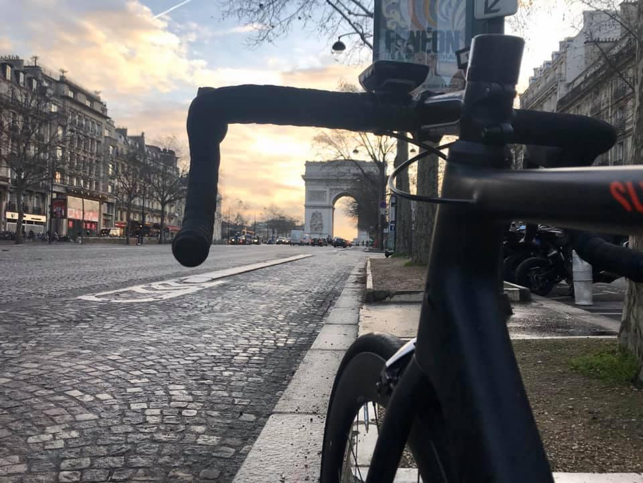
[[172, 8]]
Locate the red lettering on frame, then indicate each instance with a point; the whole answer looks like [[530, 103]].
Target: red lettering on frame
[[618, 190], [634, 197]]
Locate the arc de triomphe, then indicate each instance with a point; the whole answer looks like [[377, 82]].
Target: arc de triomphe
[[326, 182]]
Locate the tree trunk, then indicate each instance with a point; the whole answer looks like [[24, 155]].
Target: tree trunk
[[21, 215], [128, 220], [631, 333], [403, 231], [427, 185], [162, 235], [381, 219]]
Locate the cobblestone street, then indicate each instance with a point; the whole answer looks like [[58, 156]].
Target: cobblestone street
[[173, 390]]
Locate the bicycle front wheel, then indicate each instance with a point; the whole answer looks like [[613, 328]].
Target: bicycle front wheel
[[355, 415]]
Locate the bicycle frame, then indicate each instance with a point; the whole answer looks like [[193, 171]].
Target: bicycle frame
[[464, 366], [464, 352]]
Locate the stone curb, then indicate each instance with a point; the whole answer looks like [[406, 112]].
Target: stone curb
[[289, 446]]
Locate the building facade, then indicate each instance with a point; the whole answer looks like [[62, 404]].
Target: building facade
[[592, 75], [79, 196]]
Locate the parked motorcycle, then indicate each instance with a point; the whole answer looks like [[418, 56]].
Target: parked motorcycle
[[524, 242], [550, 265], [612, 261]]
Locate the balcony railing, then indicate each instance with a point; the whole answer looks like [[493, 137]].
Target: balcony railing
[[28, 209]]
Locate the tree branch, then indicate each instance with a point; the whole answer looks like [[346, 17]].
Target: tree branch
[[353, 25]]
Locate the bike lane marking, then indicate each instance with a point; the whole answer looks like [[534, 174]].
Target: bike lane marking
[[177, 287]]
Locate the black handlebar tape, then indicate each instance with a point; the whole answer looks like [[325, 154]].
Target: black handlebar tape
[[252, 104], [607, 256], [580, 134], [213, 109], [192, 245]]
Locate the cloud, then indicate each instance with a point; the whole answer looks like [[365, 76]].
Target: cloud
[[120, 48], [148, 71], [5, 45]]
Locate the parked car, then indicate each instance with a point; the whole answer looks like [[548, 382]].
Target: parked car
[[319, 242], [282, 240], [306, 240], [295, 237], [106, 232], [340, 242]]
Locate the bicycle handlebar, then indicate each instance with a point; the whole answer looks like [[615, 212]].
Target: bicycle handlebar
[[213, 109], [607, 256]]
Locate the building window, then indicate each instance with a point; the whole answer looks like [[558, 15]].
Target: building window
[[618, 154], [7, 72], [58, 177], [54, 107], [70, 93], [21, 78]]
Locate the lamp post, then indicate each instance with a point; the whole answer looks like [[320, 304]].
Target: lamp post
[[339, 46]]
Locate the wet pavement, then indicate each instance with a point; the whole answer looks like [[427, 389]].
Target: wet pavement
[[608, 298], [175, 389]]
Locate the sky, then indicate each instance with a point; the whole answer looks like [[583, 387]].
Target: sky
[[148, 57]]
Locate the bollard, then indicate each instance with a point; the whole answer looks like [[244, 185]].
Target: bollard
[[583, 281]]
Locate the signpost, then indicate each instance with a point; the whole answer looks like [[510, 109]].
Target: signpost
[[435, 33], [495, 8]]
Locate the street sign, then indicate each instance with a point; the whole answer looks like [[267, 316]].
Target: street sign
[[495, 8], [425, 32]]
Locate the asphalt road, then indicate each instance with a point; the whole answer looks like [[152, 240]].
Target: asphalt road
[[113, 387]]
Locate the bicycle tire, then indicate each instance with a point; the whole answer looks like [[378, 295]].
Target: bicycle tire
[[356, 385]]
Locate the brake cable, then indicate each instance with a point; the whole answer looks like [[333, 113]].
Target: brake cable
[[406, 164]]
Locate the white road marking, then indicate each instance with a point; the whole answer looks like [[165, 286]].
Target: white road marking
[[177, 287]]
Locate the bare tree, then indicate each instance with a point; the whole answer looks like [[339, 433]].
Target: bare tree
[[274, 19], [33, 132], [379, 150], [631, 333], [278, 222], [167, 182], [129, 178], [403, 228]]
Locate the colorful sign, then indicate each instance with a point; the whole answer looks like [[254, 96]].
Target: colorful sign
[[77, 206], [60, 208], [426, 32]]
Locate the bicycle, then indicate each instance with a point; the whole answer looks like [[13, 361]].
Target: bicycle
[[454, 394]]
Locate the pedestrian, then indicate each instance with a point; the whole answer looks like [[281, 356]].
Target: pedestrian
[[31, 235]]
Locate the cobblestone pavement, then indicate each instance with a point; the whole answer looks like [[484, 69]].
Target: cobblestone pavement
[[39, 271], [175, 390]]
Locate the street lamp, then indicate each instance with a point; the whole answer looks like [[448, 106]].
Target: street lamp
[[339, 46]]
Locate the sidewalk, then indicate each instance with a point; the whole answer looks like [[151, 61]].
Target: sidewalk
[[590, 435]]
